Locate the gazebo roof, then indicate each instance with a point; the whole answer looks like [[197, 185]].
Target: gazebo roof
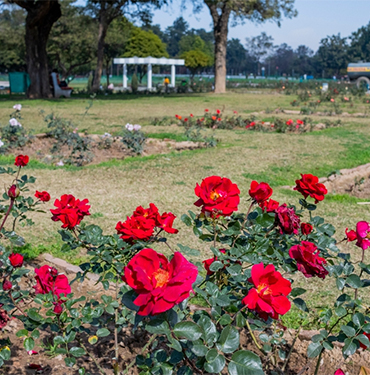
[[148, 60]]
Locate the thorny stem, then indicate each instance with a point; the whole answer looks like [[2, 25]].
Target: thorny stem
[[169, 247], [92, 357], [7, 213], [362, 261], [318, 363], [246, 216], [15, 304], [254, 338], [115, 367]]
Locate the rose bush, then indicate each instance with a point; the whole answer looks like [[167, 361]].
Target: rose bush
[[194, 315]]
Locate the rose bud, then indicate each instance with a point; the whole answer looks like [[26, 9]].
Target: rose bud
[[13, 192], [16, 260], [306, 228], [58, 309], [351, 235], [7, 285]]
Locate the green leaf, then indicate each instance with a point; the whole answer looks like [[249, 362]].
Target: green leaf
[[174, 344], [364, 340], [354, 281], [158, 326], [29, 343], [225, 320], [215, 266], [215, 362], [229, 340], [70, 361], [199, 350], [340, 283], [35, 334], [22, 333], [188, 251], [77, 352], [5, 353], [340, 311], [209, 329], [34, 315], [244, 362], [188, 330], [240, 320], [348, 331], [102, 332], [300, 304], [314, 349], [58, 340], [186, 219], [81, 371], [349, 347], [297, 292], [358, 319]]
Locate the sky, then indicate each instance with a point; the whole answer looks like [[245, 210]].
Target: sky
[[316, 19]]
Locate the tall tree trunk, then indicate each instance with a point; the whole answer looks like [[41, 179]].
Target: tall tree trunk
[[103, 28], [220, 31], [41, 15]]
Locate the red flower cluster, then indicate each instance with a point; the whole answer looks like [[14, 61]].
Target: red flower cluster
[[269, 206], [260, 192], [308, 260], [250, 125], [70, 211], [44, 196], [287, 219], [49, 280], [290, 122], [160, 284], [21, 160], [309, 185], [363, 234], [269, 297], [306, 228], [140, 226], [217, 195], [351, 235], [16, 260]]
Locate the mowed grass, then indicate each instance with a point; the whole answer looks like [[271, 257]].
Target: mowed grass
[[116, 188]]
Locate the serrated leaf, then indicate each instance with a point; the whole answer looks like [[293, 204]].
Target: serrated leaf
[[229, 340], [188, 330], [314, 349], [244, 362]]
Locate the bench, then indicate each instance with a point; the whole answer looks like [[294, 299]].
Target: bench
[[60, 91]]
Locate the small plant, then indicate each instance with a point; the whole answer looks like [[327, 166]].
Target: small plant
[[133, 138], [106, 141], [134, 83]]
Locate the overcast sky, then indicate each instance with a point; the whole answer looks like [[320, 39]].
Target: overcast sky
[[316, 19]]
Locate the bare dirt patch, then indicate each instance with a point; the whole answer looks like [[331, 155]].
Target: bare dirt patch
[[41, 145]]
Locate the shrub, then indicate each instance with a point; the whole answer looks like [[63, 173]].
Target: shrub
[[133, 138]]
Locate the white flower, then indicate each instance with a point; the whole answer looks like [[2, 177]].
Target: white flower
[[129, 127], [60, 163], [137, 127], [14, 122], [106, 135], [1, 143], [17, 107]]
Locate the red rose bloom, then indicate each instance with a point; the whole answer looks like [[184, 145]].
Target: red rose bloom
[[21, 160], [306, 228], [48, 280], [7, 285], [16, 260], [308, 262], [160, 284], [361, 344], [148, 213], [166, 222], [309, 185], [290, 122], [260, 192], [70, 211], [339, 371], [363, 234], [217, 195], [287, 219], [299, 122], [13, 192], [58, 309], [218, 111], [4, 317], [207, 263], [269, 297], [351, 235], [136, 228], [44, 196], [214, 118], [269, 206]]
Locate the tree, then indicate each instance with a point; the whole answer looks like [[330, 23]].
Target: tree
[[67, 50], [359, 48], [41, 15], [173, 35], [303, 60], [13, 47], [143, 44], [193, 42], [254, 10], [283, 58], [196, 60], [260, 47], [106, 11]]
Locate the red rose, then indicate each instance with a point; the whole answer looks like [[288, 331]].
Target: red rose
[[351, 235], [7, 285], [306, 228], [160, 284], [186, 119], [70, 211], [309, 185], [21, 160], [308, 262], [191, 115], [363, 234], [287, 219], [44, 196], [260, 192], [48, 280], [214, 118], [166, 222], [217, 195], [58, 309], [269, 297], [290, 122], [136, 228], [13, 192], [207, 263], [16, 260], [361, 344], [148, 213], [300, 122], [218, 111], [269, 206], [340, 371], [4, 317], [206, 110]]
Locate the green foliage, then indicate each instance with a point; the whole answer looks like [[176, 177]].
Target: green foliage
[[134, 83], [133, 140], [195, 60]]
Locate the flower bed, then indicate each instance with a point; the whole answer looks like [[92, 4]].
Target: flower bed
[[241, 293]]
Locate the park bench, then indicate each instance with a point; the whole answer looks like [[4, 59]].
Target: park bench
[[60, 91]]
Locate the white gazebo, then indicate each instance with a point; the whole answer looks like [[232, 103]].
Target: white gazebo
[[150, 61]]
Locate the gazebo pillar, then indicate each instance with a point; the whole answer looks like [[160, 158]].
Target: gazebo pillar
[[150, 76], [173, 75], [125, 76]]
